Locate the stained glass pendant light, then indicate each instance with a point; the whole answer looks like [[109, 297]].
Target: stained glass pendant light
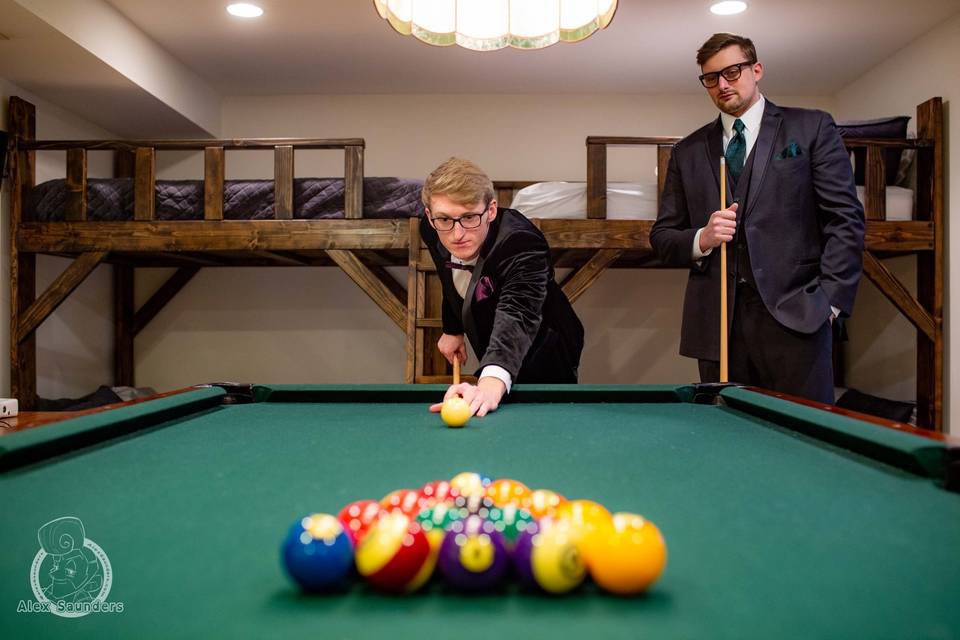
[[486, 25]]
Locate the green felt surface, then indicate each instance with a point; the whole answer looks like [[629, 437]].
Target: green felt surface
[[771, 533]]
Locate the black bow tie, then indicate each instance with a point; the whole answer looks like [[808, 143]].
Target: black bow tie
[[456, 265]]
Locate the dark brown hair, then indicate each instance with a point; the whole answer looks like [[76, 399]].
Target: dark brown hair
[[720, 41]]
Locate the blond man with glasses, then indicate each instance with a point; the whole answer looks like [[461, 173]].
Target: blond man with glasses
[[794, 231], [499, 290]]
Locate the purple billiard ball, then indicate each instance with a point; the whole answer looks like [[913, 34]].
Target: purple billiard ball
[[473, 555]]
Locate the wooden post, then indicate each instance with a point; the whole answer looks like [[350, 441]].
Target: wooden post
[[413, 262], [876, 184], [283, 182], [930, 171], [23, 266], [76, 184], [213, 173], [353, 182], [596, 180], [144, 186], [123, 301]]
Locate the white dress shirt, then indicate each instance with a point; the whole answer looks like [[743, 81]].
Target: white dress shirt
[[752, 119]]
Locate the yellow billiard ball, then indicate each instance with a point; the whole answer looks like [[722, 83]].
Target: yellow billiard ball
[[455, 412]]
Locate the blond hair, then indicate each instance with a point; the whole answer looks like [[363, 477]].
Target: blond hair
[[460, 180]]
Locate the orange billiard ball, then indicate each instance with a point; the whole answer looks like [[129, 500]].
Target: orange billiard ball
[[629, 557]]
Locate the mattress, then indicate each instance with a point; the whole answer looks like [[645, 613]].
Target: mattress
[[314, 198], [638, 201]]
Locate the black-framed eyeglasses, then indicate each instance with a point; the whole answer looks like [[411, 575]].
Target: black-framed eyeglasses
[[466, 221], [730, 74]]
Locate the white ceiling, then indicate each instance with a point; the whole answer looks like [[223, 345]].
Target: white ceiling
[[812, 47]]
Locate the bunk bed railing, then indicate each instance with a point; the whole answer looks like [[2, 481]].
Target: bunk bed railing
[[875, 204], [144, 152]]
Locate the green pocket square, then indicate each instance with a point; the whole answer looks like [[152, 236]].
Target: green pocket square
[[792, 150]]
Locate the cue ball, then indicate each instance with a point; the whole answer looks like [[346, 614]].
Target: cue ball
[[455, 412]]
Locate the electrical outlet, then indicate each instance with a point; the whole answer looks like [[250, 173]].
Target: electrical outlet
[[8, 407]]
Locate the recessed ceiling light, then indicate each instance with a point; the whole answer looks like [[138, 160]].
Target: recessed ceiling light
[[728, 8], [244, 10]]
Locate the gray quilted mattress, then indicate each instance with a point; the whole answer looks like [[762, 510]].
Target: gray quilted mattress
[[112, 199]]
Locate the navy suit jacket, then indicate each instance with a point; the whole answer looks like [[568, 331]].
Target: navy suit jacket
[[799, 210], [515, 314]]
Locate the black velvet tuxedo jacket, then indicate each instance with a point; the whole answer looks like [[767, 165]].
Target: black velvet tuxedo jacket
[[515, 315], [798, 208]]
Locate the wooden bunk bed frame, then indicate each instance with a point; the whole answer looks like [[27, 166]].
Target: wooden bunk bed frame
[[362, 248]]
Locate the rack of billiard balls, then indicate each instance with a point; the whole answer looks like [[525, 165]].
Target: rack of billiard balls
[[475, 533]]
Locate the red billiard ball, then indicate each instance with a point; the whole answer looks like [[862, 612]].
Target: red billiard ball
[[357, 518], [395, 555], [406, 501]]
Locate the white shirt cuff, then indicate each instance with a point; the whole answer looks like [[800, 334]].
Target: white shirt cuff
[[836, 312], [696, 254], [498, 372]]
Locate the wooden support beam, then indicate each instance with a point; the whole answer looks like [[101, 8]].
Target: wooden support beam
[[123, 307], [283, 182], [894, 290], [353, 182], [212, 235], [930, 272], [372, 285], [162, 296], [580, 280], [413, 276], [58, 291], [596, 181], [23, 264], [876, 184], [213, 172], [124, 163], [144, 184], [76, 185]]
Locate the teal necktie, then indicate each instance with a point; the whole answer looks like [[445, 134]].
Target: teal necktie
[[736, 150]]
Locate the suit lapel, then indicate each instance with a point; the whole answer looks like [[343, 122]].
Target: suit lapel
[[714, 149], [762, 149], [469, 324]]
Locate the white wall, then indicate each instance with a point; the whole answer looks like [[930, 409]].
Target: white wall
[[75, 344], [314, 325], [929, 66]]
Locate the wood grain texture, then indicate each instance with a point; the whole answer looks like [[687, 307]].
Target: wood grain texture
[[76, 185], [596, 181], [381, 293], [214, 169], [893, 289], [876, 184], [580, 280], [57, 292], [283, 182], [144, 184], [170, 288], [353, 182], [123, 308]]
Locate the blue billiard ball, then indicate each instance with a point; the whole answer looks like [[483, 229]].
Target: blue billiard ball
[[317, 552]]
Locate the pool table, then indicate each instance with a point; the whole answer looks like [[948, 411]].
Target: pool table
[[782, 520]]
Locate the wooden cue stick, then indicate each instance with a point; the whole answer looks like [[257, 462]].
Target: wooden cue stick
[[724, 348], [456, 369]]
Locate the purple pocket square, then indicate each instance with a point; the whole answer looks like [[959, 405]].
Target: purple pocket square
[[484, 289]]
